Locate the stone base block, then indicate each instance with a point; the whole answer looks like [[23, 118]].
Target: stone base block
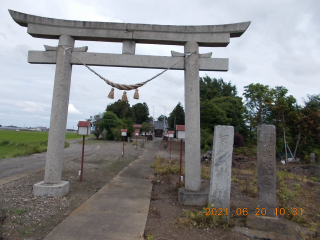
[[189, 198], [51, 190], [270, 224]]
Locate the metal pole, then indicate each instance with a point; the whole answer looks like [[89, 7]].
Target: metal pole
[[82, 159], [170, 147], [123, 147], [153, 116], [136, 141], [180, 161]]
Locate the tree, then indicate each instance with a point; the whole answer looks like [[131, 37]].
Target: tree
[[176, 116], [310, 124], [213, 88], [141, 112], [162, 117], [258, 97], [96, 129], [234, 109], [121, 109], [128, 124], [109, 121], [146, 127], [211, 115], [283, 113]]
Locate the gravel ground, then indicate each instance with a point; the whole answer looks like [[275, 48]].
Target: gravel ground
[[29, 217]]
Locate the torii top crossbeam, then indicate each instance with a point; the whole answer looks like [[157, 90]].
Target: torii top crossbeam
[[206, 35]]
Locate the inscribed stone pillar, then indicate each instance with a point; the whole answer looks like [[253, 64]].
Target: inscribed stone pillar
[[266, 156], [192, 118], [59, 112], [221, 164]]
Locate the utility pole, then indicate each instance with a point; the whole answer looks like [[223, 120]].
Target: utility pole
[[153, 116]]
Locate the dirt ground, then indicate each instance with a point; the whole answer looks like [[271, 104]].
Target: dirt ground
[[297, 191], [29, 217]]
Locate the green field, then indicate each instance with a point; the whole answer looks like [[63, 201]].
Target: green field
[[13, 144]]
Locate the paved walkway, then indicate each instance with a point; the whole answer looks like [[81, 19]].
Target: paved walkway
[[119, 210]]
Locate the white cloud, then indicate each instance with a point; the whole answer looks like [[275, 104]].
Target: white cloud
[[73, 110], [30, 107]]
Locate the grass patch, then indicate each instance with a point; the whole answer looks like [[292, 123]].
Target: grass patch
[[285, 174], [164, 167], [15, 149], [27, 136], [313, 179], [248, 187], [245, 151], [201, 219]]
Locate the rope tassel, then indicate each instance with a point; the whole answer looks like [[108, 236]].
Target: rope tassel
[[136, 94], [124, 97], [111, 94]]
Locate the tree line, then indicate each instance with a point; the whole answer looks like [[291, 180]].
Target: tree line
[[221, 105]]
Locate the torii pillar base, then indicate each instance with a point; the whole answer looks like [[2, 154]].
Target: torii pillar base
[[198, 198], [42, 189]]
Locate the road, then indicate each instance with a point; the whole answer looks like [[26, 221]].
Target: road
[[17, 167]]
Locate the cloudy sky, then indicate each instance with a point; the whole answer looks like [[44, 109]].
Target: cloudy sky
[[280, 48]]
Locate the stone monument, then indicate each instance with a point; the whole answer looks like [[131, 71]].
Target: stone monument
[[312, 157], [67, 32], [267, 201], [221, 164]]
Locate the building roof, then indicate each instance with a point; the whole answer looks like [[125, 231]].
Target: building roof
[[159, 125], [123, 130], [137, 131], [180, 127], [137, 125], [170, 132], [84, 124]]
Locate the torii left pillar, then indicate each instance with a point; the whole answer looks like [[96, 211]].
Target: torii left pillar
[[52, 186]]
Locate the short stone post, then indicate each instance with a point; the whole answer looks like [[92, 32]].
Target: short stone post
[[267, 219], [221, 164], [312, 157], [52, 185]]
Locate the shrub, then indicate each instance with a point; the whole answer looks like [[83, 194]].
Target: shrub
[[238, 140], [4, 142]]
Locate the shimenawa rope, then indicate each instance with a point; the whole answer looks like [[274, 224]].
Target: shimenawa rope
[[124, 86]]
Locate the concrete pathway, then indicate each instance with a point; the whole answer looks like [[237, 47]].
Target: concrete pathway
[[14, 168], [119, 210]]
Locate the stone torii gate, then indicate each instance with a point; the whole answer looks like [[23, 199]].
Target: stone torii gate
[[67, 31]]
